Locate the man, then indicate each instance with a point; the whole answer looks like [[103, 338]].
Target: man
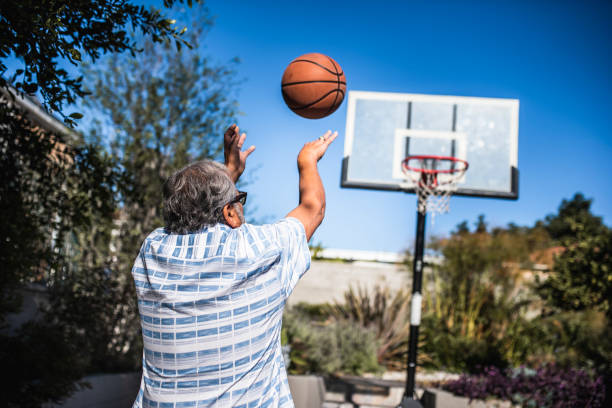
[[212, 288]]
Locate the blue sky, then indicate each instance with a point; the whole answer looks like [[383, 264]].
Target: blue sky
[[552, 56]]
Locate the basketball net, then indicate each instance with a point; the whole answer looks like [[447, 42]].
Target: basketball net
[[435, 180]]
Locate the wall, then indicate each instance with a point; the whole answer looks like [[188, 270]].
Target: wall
[[327, 280]]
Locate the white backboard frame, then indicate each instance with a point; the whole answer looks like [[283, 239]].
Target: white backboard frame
[[396, 183]]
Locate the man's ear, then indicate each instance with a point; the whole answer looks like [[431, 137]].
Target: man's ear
[[231, 216]]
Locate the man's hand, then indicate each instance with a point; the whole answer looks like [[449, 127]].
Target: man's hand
[[235, 158], [312, 152]]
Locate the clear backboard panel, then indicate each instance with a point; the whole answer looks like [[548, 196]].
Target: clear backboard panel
[[382, 129]]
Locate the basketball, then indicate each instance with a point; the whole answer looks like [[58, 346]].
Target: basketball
[[313, 85]]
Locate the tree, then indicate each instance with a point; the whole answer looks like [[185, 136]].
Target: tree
[[474, 301], [40, 33], [51, 190], [582, 274], [164, 109], [57, 201], [578, 290], [574, 216], [462, 228], [481, 224]]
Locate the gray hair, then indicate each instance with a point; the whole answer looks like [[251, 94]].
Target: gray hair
[[195, 195]]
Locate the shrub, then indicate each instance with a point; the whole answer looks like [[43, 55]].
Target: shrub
[[329, 348], [576, 339], [475, 302], [548, 386], [319, 312], [452, 352], [386, 314], [42, 364]]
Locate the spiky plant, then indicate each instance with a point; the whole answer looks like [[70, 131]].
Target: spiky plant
[[385, 312]]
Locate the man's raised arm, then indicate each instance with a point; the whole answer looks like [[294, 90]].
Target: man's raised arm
[[311, 208]]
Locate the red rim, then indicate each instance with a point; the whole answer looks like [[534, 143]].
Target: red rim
[[434, 171]]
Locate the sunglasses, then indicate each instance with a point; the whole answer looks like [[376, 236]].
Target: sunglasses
[[240, 198]]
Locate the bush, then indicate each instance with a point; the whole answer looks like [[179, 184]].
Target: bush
[[320, 312], [328, 348], [548, 386], [476, 302], [42, 365], [386, 314], [453, 352], [576, 339]]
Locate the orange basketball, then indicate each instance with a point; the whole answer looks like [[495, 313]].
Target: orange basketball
[[313, 85]]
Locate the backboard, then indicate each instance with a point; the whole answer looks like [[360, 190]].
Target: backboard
[[384, 128]]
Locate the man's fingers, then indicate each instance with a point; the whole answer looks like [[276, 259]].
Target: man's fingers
[[327, 138], [331, 138], [248, 151], [324, 136], [241, 140], [230, 131]]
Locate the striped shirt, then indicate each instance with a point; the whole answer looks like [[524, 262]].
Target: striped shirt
[[211, 306]]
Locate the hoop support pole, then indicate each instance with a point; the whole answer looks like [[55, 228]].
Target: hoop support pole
[[415, 312]]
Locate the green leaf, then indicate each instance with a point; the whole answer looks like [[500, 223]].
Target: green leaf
[[76, 115], [75, 54], [30, 88]]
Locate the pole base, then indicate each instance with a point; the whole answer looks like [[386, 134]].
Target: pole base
[[409, 403]]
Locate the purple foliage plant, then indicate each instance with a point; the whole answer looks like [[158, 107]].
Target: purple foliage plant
[[547, 386]]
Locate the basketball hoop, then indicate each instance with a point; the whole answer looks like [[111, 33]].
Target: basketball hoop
[[435, 180]]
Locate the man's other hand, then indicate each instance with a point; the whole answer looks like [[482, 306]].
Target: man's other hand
[[235, 158]]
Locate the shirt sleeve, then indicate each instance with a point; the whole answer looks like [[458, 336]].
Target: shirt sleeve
[[295, 254]]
